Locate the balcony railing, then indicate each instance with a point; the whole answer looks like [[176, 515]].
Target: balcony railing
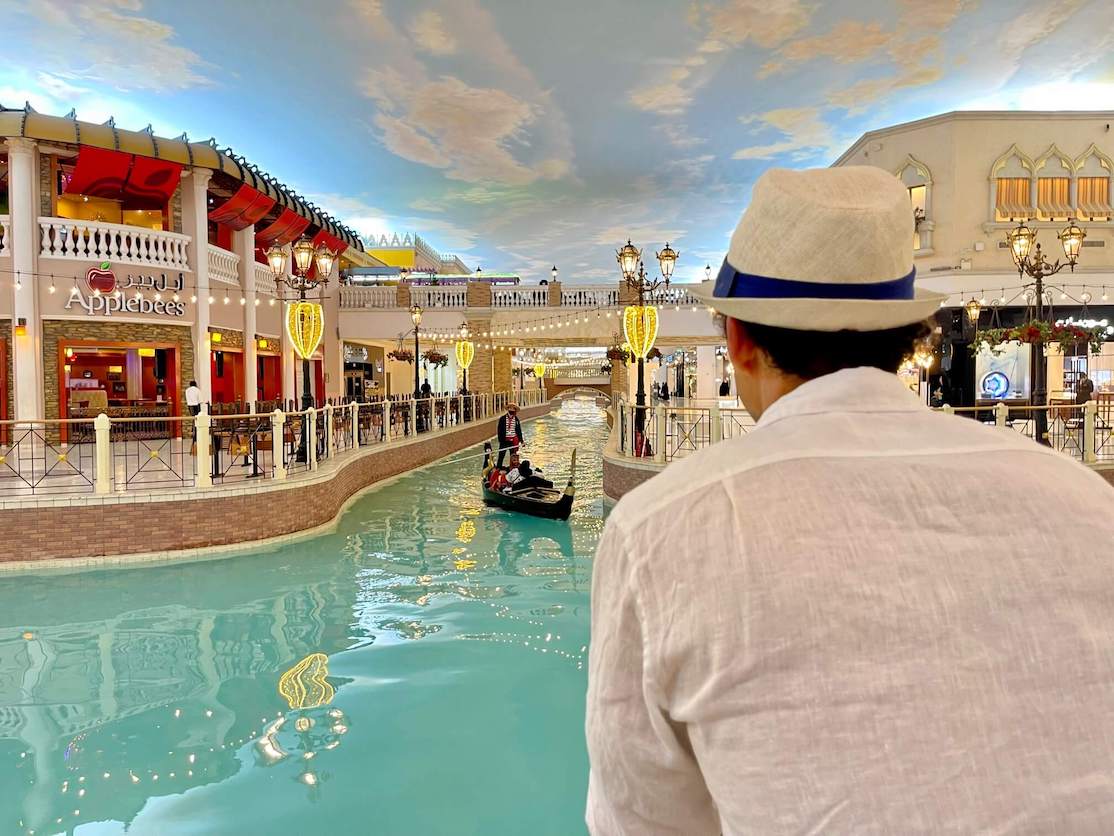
[[598, 296], [520, 297], [5, 225], [224, 267], [98, 241], [368, 297], [448, 296], [264, 279]]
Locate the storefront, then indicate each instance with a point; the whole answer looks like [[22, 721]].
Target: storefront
[[364, 377]]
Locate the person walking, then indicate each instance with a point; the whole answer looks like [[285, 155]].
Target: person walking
[[863, 616], [1084, 389], [510, 433], [193, 404]]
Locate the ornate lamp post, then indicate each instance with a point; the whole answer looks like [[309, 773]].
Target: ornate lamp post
[[1031, 261], [640, 322], [304, 320], [465, 351], [416, 318]]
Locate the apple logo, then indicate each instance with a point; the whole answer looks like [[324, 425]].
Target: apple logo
[[101, 279]]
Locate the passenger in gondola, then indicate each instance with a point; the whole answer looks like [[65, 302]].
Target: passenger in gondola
[[510, 434], [524, 476]]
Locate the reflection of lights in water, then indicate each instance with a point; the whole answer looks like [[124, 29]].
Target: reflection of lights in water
[[268, 745], [303, 724], [304, 685], [309, 779], [466, 531], [462, 565]]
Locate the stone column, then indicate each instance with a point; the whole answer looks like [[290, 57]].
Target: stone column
[[331, 346], [554, 294], [27, 350], [479, 295], [501, 372], [706, 372], [195, 223], [134, 370], [618, 379], [480, 372], [243, 244]]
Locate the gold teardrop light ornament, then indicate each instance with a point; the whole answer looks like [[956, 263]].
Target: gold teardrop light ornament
[[305, 323], [305, 685], [465, 351], [539, 369], [640, 327]]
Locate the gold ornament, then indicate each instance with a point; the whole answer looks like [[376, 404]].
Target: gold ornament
[[539, 369], [465, 351], [305, 323], [640, 327], [305, 685]]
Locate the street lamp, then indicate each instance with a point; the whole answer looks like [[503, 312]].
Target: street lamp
[[416, 318], [640, 322], [304, 320], [1031, 262]]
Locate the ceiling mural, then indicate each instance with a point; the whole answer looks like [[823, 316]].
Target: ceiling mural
[[523, 134]]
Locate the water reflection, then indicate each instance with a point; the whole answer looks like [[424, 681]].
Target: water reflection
[[122, 687]]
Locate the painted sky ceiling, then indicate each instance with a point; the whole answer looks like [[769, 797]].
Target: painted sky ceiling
[[522, 133]]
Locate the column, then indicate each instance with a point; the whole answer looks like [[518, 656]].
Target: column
[[134, 372], [195, 223], [706, 372], [332, 349], [480, 372], [27, 350], [243, 244]]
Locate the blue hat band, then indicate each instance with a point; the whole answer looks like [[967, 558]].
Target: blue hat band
[[730, 283]]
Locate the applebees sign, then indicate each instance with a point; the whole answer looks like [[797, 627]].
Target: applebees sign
[[107, 296]]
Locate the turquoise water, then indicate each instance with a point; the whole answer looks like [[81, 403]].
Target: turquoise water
[[447, 697]]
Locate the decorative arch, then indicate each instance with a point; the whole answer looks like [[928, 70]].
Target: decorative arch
[[1053, 153], [1093, 171], [1013, 186], [918, 181], [1055, 173]]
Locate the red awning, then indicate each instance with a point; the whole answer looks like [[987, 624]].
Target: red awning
[[142, 182], [286, 227], [243, 209], [331, 242]]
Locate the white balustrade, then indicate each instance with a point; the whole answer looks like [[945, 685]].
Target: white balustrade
[[520, 297], [5, 233], [264, 279], [118, 243], [355, 297], [224, 267], [590, 296], [675, 295], [439, 296]]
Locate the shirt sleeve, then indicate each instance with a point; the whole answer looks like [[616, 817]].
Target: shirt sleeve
[[644, 778]]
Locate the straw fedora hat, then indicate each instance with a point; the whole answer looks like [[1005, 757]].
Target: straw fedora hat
[[826, 249]]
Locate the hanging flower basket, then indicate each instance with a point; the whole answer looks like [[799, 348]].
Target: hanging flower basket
[[403, 355], [1038, 332], [654, 353], [433, 357], [618, 353]]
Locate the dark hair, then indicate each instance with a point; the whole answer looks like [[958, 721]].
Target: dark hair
[[193, 383], [811, 354]]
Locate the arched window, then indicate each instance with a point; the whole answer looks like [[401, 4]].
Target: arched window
[[1092, 171], [918, 180], [1055, 185], [1012, 187]]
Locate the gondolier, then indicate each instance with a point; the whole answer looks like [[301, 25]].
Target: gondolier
[[510, 432]]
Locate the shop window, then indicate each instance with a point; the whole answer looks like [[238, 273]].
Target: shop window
[[917, 195], [1054, 198], [1011, 187], [918, 181]]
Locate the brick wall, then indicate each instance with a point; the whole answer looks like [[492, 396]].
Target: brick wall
[[554, 294], [57, 332], [479, 295], [402, 295], [503, 380], [46, 187], [479, 374], [176, 209], [51, 532], [619, 381], [229, 338], [619, 480], [6, 329]]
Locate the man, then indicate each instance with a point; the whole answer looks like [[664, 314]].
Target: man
[[427, 390], [1084, 389], [193, 404], [862, 616], [510, 433]]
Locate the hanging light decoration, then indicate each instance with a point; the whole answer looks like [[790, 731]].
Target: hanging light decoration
[[973, 308], [305, 324], [640, 327], [539, 369]]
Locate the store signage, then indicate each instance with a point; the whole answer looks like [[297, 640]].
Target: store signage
[[106, 295], [355, 353]]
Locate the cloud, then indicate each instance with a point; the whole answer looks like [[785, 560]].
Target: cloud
[[105, 42], [429, 34], [764, 23], [802, 127], [850, 41], [371, 221]]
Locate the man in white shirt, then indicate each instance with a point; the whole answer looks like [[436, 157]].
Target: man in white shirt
[[863, 616]]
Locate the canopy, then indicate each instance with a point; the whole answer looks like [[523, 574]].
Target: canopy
[[285, 228], [243, 209], [136, 180]]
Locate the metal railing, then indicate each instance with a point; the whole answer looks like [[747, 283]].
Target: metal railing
[[120, 243], [676, 429], [104, 455]]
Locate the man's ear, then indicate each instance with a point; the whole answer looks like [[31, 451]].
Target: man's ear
[[744, 353]]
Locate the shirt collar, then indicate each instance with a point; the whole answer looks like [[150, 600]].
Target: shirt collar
[[862, 389]]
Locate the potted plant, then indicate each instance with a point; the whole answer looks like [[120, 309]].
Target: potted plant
[[433, 357], [403, 355], [1039, 332]]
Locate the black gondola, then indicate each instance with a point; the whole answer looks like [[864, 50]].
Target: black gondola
[[551, 503]]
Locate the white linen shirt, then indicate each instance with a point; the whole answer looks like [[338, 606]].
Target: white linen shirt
[[193, 396], [862, 617]]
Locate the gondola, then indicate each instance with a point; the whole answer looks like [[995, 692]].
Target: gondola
[[551, 503]]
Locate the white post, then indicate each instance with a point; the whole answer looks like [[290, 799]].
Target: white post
[[278, 421], [414, 417], [243, 244], [715, 420], [203, 461], [355, 425], [330, 443], [195, 223], [386, 419], [1090, 413], [950, 410], [102, 431], [27, 350], [659, 433], [311, 438], [1001, 413]]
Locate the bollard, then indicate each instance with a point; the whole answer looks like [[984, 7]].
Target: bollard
[[330, 440], [311, 438], [102, 430], [659, 433], [202, 461], [1001, 414], [278, 422], [1090, 414], [950, 410], [386, 420], [355, 425]]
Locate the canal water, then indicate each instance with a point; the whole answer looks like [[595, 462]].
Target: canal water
[[421, 670]]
